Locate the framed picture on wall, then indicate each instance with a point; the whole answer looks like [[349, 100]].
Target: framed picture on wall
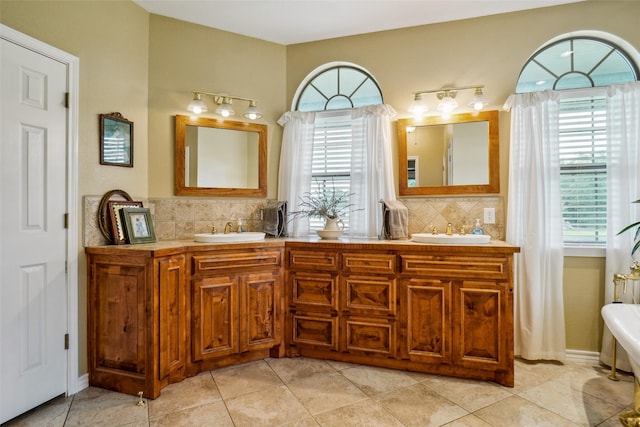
[[116, 140], [138, 225]]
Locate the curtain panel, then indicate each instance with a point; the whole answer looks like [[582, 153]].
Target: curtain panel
[[294, 175], [534, 222]]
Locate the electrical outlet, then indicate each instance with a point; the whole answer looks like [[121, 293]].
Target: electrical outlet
[[489, 215]]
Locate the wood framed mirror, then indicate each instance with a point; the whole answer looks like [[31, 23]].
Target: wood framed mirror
[[216, 157], [455, 155]]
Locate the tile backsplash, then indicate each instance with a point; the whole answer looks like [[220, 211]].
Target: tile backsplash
[[181, 218]]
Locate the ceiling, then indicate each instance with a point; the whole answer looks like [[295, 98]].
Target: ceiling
[[299, 21]]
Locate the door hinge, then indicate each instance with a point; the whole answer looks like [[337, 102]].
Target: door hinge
[[66, 100], [66, 220], [66, 341]]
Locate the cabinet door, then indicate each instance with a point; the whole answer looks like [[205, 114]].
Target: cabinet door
[[426, 320], [119, 324], [172, 315], [480, 325], [259, 314], [215, 312]]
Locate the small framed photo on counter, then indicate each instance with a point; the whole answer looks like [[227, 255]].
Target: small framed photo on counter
[[117, 226], [116, 140], [138, 225]]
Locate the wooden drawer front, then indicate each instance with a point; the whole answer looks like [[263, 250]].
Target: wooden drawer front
[[366, 335], [369, 263], [313, 260], [315, 330], [236, 260], [481, 315], [427, 319], [369, 295], [455, 266], [314, 290]]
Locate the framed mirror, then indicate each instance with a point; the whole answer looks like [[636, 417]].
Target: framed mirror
[[457, 155], [220, 158]]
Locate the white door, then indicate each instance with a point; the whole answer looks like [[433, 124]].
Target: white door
[[33, 238]]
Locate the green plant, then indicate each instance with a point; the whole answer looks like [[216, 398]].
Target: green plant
[[324, 203], [636, 237]]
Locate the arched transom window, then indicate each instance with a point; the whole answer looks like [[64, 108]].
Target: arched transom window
[[579, 62], [338, 87], [584, 65]]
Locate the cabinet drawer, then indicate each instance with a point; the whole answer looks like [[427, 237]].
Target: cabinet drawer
[[455, 266], [315, 330], [366, 335], [236, 261], [369, 263], [314, 290], [313, 260], [369, 295]]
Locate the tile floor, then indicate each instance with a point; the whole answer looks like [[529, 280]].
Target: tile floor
[[306, 392]]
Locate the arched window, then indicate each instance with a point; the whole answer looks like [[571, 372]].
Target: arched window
[[581, 66], [337, 86], [332, 91], [578, 62]]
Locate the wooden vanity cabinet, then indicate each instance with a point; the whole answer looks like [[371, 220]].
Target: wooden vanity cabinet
[[425, 308], [136, 320], [236, 306], [458, 313]]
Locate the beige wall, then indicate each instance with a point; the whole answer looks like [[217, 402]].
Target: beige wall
[[145, 67], [111, 40], [185, 57], [491, 51]]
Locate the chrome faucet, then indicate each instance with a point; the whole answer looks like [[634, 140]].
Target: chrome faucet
[[227, 228]]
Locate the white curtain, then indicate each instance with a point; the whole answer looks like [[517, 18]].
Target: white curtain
[[371, 168], [534, 223], [294, 176], [623, 187]]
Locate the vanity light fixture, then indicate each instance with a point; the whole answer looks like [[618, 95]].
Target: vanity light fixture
[[447, 99], [479, 101], [224, 103]]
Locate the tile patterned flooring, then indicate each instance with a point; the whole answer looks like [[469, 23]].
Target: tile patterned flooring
[[305, 392]]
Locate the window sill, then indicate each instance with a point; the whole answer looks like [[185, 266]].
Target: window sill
[[585, 251]]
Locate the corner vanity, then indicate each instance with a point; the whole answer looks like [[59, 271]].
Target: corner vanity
[[161, 312]]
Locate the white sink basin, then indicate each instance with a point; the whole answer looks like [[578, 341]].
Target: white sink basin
[[623, 320], [249, 236], [453, 239]]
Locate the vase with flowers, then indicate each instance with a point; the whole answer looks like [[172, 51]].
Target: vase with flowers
[[327, 203]]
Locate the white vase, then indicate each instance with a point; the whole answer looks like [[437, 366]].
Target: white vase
[[333, 228]]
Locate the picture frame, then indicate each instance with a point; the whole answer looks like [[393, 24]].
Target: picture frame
[[116, 140], [138, 225], [118, 231]]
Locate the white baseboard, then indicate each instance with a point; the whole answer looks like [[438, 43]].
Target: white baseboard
[[581, 356], [83, 382]]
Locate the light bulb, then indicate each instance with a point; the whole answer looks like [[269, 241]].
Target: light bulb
[[418, 107]]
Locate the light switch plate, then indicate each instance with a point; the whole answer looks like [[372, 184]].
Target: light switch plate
[[489, 215]]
